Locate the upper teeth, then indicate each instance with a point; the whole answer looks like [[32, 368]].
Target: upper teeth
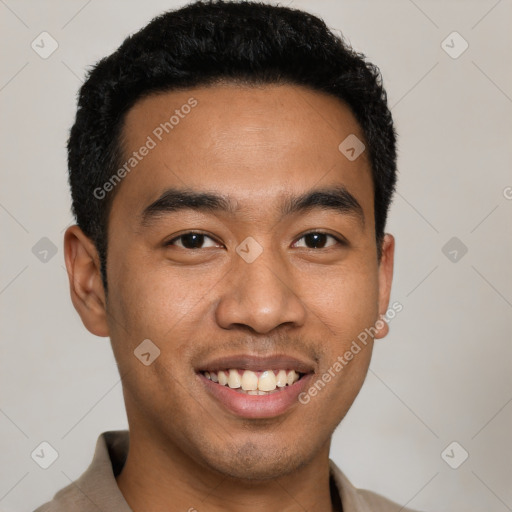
[[248, 380]]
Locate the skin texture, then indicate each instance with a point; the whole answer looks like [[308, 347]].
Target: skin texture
[[256, 145]]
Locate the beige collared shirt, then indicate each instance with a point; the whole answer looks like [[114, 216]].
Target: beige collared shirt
[[96, 490]]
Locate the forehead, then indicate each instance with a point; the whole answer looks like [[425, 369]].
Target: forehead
[[254, 144]]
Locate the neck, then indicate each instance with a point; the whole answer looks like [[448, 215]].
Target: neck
[[161, 478]]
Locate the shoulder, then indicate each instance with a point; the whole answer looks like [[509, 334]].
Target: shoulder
[[68, 498], [96, 489], [360, 500], [380, 503]]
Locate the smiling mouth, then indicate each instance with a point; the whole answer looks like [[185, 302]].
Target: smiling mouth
[[250, 382]]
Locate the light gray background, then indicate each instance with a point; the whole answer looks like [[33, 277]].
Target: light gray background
[[444, 372]]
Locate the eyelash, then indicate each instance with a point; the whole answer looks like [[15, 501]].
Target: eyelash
[[340, 241]]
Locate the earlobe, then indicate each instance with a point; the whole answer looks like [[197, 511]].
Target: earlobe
[[385, 280], [86, 286]]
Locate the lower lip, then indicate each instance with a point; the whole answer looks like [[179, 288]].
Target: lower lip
[[256, 406]]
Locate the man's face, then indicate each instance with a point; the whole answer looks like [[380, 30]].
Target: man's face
[[257, 289]]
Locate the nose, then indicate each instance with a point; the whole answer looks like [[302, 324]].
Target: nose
[[259, 295]]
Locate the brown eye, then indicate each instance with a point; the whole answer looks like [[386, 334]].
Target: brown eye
[[317, 240], [192, 241]]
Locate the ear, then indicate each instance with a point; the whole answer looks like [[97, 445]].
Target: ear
[[385, 279], [86, 286]]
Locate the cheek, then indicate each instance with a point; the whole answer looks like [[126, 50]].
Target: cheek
[[344, 310], [163, 304], [155, 304], [150, 300], [344, 302]]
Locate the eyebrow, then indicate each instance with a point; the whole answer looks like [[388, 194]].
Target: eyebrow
[[337, 199]]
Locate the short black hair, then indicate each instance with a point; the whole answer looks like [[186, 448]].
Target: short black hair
[[208, 42]]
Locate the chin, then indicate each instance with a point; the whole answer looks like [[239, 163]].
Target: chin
[[252, 462]]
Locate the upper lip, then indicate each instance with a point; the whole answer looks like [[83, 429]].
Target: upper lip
[[256, 363]]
